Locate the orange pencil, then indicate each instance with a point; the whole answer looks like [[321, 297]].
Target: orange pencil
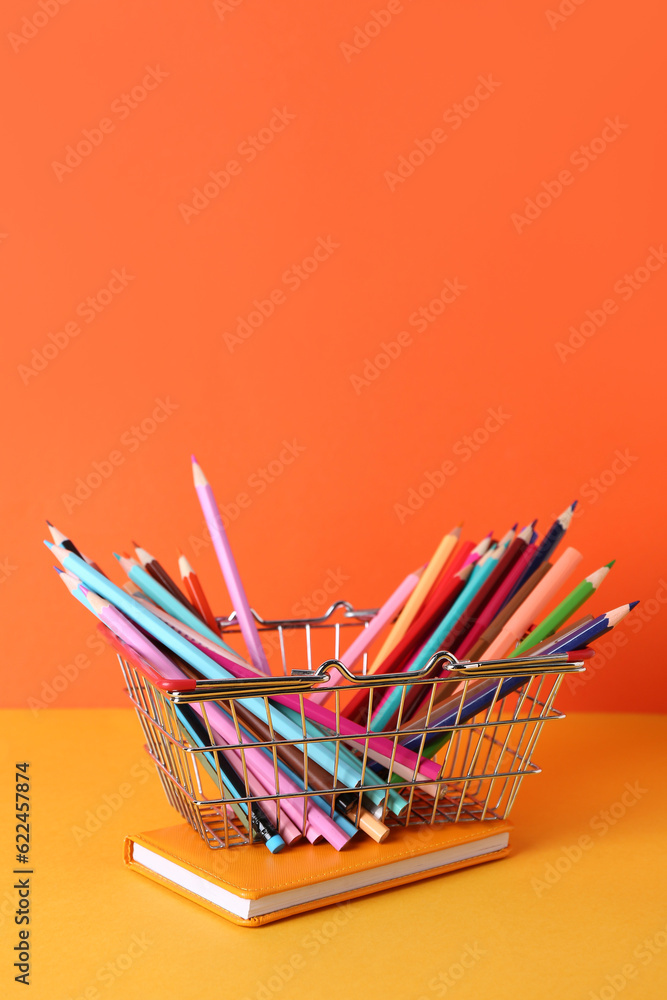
[[196, 593]]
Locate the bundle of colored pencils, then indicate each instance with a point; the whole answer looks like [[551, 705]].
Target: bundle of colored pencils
[[476, 601]]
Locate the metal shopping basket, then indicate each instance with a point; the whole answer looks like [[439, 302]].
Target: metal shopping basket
[[475, 776]]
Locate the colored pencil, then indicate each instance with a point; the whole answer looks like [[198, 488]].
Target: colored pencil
[[358, 647], [318, 778], [403, 697], [259, 821], [196, 593], [480, 549], [60, 539], [229, 569], [506, 612], [496, 601], [435, 566], [129, 633], [160, 595], [565, 609], [160, 575], [463, 706], [501, 562], [416, 635], [462, 559], [534, 604], [549, 543]]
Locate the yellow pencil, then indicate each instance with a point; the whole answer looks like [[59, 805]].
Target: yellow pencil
[[419, 594]]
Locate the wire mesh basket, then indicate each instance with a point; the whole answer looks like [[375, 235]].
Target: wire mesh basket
[[485, 750]]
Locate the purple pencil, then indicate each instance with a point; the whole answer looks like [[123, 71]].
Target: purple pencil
[[229, 570]]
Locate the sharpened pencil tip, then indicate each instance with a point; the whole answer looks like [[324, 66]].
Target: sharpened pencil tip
[[49, 545], [116, 556], [59, 570], [632, 604], [193, 459], [136, 545], [49, 523], [515, 526], [610, 564], [573, 504]]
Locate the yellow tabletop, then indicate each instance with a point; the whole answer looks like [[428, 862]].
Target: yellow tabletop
[[579, 909]]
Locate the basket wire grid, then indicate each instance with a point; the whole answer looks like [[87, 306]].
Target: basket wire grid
[[479, 769]]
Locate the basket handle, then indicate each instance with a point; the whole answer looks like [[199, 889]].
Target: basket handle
[[517, 666]]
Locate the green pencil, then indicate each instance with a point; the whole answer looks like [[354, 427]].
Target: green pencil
[[551, 624], [565, 610]]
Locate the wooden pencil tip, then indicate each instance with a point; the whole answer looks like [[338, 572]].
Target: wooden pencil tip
[[136, 545], [49, 523], [632, 604], [610, 564], [573, 504], [193, 459], [116, 556], [59, 570]]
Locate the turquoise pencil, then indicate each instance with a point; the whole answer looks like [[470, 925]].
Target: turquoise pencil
[[161, 596]]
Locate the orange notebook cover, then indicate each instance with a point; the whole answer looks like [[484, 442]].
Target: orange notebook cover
[[250, 886]]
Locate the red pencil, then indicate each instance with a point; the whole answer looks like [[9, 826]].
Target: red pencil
[[196, 592]]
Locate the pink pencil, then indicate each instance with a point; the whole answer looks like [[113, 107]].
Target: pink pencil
[[130, 634], [318, 824], [480, 549], [359, 646], [229, 570]]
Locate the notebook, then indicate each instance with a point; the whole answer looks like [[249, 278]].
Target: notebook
[[250, 886]]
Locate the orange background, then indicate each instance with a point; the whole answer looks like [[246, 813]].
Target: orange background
[[328, 175]]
